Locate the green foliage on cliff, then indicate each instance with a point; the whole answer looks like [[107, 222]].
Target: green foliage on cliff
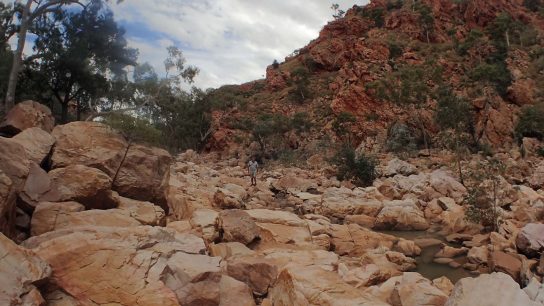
[[359, 168]]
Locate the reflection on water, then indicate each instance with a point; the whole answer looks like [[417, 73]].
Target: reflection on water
[[425, 264]]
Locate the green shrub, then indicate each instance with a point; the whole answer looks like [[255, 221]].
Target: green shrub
[[136, 130], [400, 138], [300, 80], [395, 50], [301, 122], [495, 73], [531, 122], [485, 195], [394, 4], [359, 168], [342, 123], [376, 14], [533, 5], [540, 151]]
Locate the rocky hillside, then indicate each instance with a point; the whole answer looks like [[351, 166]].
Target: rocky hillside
[[88, 218], [389, 64]]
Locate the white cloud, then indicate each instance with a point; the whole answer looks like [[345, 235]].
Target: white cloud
[[231, 41]]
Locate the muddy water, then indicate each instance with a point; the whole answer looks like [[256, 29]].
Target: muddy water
[[425, 264]]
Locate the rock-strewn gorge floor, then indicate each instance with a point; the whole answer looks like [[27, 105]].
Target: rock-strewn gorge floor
[[100, 221]]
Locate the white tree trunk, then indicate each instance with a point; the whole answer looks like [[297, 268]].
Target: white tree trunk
[[17, 57]]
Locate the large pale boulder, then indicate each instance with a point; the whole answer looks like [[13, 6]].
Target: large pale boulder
[[56, 216], [276, 217], [226, 250], [37, 184], [354, 240], [142, 174], [496, 289], [88, 186], [204, 222], [8, 199], [401, 215], [415, 290], [537, 179], [292, 183], [237, 226], [478, 255], [20, 270], [146, 213], [197, 280], [121, 266], [26, 115], [14, 168], [339, 202], [506, 263], [46, 215], [14, 162], [230, 196], [258, 273], [91, 144], [299, 285], [36, 142], [530, 240], [397, 166]]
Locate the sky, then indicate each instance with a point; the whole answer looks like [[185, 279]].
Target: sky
[[230, 41]]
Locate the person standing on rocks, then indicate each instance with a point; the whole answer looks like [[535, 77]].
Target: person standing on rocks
[[252, 170]]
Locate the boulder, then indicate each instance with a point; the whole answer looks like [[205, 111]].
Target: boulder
[[506, 263], [288, 257], [121, 266], [237, 226], [226, 199], [408, 248], [91, 144], [401, 215], [37, 184], [20, 271], [88, 186], [275, 217], [25, 115], [183, 226], [535, 291], [146, 213], [354, 240], [314, 286], [36, 142], [257, 273], [93, 217], [478, 255], [450, 252], [14, 162], [530, 240], [285, 234], [194, 278], [362, 220], [226, 250], [293, 184], [414, 290], [8, 199], [443, 283], [360, 277], [142, 174], [442, 183], [204, 222], [537, 179], [339, 202], [397, 166], [484, 291], [45, 216]]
